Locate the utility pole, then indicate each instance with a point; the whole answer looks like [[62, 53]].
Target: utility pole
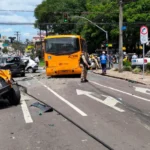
[[17, 34], [120, 36]]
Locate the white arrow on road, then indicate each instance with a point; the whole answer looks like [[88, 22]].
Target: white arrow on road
[[109, 101], [142, 90]]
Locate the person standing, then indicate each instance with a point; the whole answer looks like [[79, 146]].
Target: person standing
[[37, 60], [103, 61], [110, 61], [84, 65], [134, 56]]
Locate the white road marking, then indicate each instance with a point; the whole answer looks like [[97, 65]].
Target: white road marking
[[64, 100], [145, 99], [142, 90], [109, 101], [25, 110]]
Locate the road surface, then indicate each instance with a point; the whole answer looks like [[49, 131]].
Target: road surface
[[116, 112]]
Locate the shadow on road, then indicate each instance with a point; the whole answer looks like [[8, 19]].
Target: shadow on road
[[4, 104], [65, 76]]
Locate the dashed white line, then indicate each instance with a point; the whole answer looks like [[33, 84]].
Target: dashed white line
[[64, 100], [25, 110], [145, 99]]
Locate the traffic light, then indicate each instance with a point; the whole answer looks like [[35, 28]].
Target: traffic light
[[65, 17]]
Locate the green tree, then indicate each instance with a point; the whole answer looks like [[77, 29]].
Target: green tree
[[5, 50], [104, 13]]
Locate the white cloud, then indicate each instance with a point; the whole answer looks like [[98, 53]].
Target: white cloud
[[6, 30], [9, 16], [27, 34], [19, 4], [16, 18]]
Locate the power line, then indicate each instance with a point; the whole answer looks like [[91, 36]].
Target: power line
[[100, 23], [77, 12], [17, 10]]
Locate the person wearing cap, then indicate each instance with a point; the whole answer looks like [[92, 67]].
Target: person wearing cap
[[84, 64], [103, 61]]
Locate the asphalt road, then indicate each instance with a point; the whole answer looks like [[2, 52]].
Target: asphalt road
[[116, 112]]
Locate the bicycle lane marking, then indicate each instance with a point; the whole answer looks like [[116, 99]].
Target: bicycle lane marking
[[64, 100], [111, 88]]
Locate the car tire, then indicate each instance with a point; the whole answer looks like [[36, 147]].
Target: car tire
[[14, 95], [30, 70]]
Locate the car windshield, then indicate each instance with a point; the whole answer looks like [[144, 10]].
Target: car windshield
[[61, 46]]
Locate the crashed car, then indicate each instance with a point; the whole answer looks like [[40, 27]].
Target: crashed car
[[14, 64], [8, 88]]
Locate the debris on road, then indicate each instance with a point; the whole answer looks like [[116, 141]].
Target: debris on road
[[51, 125], [44, 108]]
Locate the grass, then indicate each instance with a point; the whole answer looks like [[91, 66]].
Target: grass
[[42, 63]]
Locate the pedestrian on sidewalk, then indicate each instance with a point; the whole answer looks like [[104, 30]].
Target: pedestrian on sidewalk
[[84, 64], [110, 61], [103, 61]]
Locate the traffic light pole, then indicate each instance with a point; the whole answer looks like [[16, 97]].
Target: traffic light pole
[[106, 32], [120, 67]]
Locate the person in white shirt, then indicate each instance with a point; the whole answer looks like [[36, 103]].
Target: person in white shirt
[[134, 56], [37, 60]]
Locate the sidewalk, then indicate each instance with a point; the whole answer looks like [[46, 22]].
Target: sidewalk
[[126, 75]]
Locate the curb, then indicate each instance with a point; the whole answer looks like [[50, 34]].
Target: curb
[[129, 80]]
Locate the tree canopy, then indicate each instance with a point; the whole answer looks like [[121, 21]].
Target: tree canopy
[[105, 13]]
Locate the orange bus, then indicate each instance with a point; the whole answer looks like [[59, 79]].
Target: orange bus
[[62, 54]]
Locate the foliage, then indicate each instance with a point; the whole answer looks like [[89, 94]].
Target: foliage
[[42, 63], [126, 63], [5, 50], [148, 66], [39, 54], [18, 46], [103, 12], [136, 70], [127, 68]]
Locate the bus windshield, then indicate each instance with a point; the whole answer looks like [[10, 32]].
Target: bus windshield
[[62, 46]]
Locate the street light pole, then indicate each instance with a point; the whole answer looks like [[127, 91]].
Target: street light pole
[[120, 36], [106, 32]]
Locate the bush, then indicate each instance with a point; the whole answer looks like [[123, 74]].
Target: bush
[[136, 70], [126, 63], [127, 68], [148, 66]]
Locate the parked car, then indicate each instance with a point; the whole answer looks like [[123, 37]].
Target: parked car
[[30, 65], [139, 62], [14, 64]]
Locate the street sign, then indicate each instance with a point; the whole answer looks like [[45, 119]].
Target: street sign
[[124, 27], [144, 39], [143, 34]]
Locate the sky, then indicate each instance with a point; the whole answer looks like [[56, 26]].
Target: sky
[[26, 31]]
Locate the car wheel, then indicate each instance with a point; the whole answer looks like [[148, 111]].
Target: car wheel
[[14, 95], [30, 70]]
